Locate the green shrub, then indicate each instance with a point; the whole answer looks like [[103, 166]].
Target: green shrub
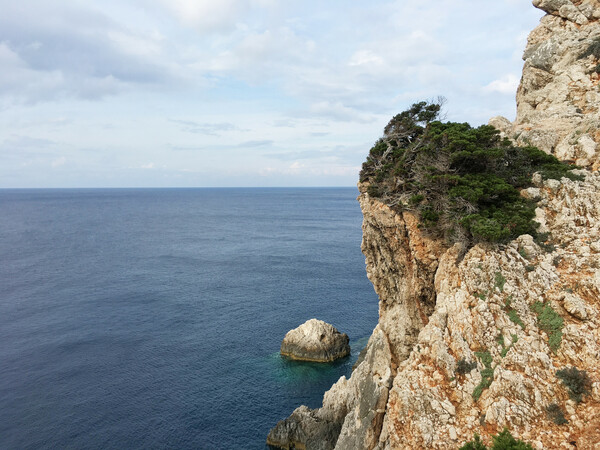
[[500, 281], [551, 322], [475, 444], [463, 181], [514, 318], [416, 199], [373, 191], [503, 441], [576, 381], [487, 374], [555, 413], [463, 366]]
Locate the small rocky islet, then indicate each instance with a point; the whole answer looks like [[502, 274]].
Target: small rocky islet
[[316, 341]]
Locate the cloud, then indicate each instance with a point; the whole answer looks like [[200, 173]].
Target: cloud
[[296, 155], [209, 16], [235, 80], [506, 85], [206, 128], [339, 111], [58, 162], [257, 143], [73, 51], [24, 146], [302, 170]]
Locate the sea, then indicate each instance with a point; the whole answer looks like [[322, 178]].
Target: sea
[[152, 318]]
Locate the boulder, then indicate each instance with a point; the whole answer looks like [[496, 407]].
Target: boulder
[[305, 429], [315, 340]]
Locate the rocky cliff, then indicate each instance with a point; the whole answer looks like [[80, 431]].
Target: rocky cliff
[[475, 340], [558, 99]]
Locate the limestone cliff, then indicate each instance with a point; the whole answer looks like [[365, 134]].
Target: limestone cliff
[[558, 99], [476, 340]]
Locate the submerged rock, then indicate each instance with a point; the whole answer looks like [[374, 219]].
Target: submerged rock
[[315, 340]]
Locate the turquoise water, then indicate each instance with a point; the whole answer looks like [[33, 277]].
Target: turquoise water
[[152, 318]]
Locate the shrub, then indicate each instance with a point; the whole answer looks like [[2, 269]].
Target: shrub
[[463, 366], [416, 199], [464, 182], [475, 444], [503, 441], [500, 281], [487, 374], [551, 322], [576, 381], [514, 318], [373, 191], [555, 413]]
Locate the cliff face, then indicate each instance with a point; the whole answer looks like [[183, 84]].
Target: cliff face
[[559, 97], [471, 342], [485, 304]]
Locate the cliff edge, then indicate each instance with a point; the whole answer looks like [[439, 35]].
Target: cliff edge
[[472, 340], [558, 99]]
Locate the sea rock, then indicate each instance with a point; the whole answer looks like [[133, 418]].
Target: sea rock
[[317, 341], [304, 429]]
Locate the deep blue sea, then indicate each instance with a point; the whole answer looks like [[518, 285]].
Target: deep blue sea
[[152, 318]]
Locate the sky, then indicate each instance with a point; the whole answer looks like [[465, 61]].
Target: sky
[[198, 93]]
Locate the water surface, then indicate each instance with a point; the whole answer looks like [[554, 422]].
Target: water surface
[[152, 318]]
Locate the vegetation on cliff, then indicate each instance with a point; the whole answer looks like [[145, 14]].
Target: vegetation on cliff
[[503, 441], [464, 182]]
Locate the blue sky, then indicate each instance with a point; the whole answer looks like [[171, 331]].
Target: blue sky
[[157, 93]]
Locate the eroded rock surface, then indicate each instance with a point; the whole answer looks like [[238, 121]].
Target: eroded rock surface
[[439, 307], [317, 341], [558, 99]]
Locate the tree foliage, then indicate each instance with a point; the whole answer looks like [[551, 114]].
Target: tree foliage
[[464, 182]]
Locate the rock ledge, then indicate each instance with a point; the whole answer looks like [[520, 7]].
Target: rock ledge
[[316, 341]]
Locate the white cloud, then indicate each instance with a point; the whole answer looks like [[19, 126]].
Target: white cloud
[[506, 85], [58, 162], [338, 111], [207, 15], [362, 57], [243, 84]]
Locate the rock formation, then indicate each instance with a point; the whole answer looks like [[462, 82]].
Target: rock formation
[[316, 341], [497, 336], [558, 99]]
